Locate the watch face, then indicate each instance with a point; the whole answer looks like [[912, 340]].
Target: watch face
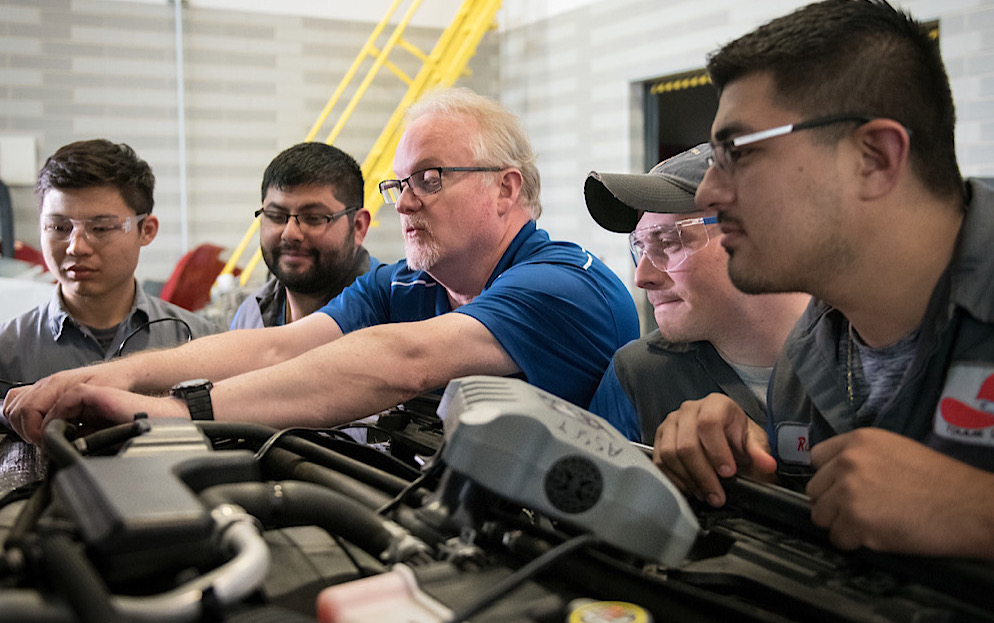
[[193, 384], [197, 395]]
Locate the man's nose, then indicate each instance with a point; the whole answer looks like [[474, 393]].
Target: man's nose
[[407, 201], [715, 190], [292, 230], [78, 243], [647, 276]]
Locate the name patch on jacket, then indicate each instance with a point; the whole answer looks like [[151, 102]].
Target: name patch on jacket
[[965, 412], [793, 443]]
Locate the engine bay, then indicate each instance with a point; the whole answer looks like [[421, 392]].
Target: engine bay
[[494, 502]]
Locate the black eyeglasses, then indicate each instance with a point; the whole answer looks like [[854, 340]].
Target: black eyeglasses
[[307, 221], [424, 182], [726, 153]]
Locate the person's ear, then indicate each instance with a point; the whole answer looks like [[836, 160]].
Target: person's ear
[[884, 148], [361, 220], [510, 188], [149, 229]]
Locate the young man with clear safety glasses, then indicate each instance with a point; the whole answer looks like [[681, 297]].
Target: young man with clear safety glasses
[[835, 173], [710, 337], [95, 215], [482, 290]]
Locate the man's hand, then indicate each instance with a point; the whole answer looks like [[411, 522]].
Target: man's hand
[[26, 407], [94, 407], [880, 490], [707, 439]]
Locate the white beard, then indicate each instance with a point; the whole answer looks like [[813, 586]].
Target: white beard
[[422, 256]]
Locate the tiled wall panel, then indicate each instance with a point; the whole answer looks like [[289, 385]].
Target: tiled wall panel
[[254, 85], [596, 56]]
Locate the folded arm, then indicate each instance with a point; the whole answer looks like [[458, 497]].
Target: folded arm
[[877, 489]]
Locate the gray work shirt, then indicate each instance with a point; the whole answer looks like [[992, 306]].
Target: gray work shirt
[[945, 398], [47, 340]]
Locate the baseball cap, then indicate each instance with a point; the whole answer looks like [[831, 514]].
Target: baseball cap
[[617, 200]]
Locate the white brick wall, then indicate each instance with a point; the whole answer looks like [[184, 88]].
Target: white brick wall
[[73, 69], [255, 83], [609, 46]]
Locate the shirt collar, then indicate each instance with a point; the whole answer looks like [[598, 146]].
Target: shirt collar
[[58, 315]]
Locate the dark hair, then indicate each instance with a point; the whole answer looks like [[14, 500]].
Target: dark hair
[[857, 56], [317, 164], [99, 162]]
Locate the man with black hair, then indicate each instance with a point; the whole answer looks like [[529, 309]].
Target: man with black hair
[[834, 172], [482, 290], [312, 225], [95, 209], [95, 214]]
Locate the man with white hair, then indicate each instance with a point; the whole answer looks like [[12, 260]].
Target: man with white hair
[[482, 291]]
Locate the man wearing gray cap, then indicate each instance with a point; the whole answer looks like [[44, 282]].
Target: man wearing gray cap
[[711, 336]]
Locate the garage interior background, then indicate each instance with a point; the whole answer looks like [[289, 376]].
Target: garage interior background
[[583, 75]]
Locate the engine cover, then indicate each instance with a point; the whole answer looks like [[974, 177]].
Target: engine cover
[[549, 455]]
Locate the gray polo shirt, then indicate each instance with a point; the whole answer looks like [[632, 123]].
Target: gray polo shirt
[[46, 339]]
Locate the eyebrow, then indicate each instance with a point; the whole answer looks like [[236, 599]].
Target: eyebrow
[[421, 165], [88, 218], [731, 129], [303, 208]]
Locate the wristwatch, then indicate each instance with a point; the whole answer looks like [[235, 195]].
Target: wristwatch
[[197, 395]]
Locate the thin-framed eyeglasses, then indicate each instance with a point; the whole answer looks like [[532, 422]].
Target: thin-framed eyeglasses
[[726, 153], [96, 230], [306, 221], [669, 246], [424, 182]]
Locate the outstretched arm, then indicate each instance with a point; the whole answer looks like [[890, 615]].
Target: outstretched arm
[[365, 372], [154, 372], [362, 373]]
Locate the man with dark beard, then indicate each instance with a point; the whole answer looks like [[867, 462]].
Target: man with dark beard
[[482, 290], [311, 232]]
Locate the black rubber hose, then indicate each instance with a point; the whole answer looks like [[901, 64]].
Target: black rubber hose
[[311, 451], [110, 437], [287, 465], [27, 519], [292, 503], [73, 577], [59, 449]]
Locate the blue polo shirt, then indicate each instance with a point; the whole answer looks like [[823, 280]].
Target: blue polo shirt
[[557, 311]]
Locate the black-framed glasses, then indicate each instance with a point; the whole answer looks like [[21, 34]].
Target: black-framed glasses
[[726, 153], [669, 246], [424, 182], [97, 230], [306, 221]]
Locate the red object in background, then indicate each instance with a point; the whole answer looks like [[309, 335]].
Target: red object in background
[[29, 254], [190, 284]]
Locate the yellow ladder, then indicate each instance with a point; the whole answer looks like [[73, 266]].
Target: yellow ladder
[[446, 63]]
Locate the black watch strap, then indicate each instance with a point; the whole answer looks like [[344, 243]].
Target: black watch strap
[[197, 395]]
